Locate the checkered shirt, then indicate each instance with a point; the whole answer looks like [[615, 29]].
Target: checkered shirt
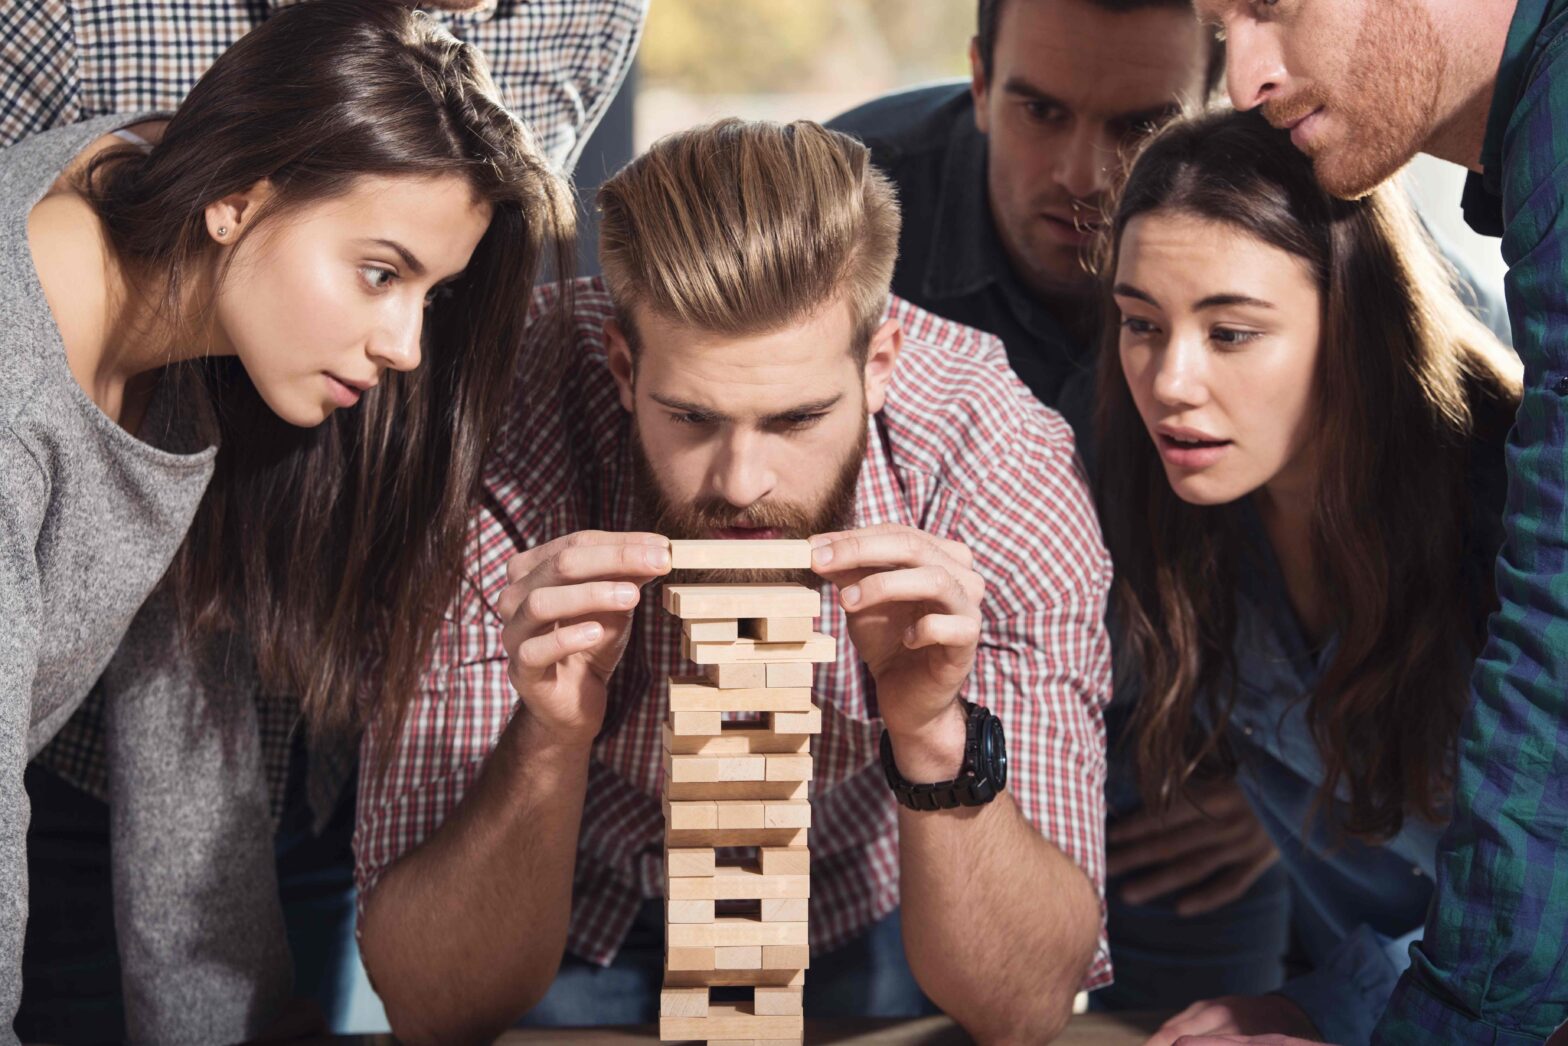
[[961, 450], [557, 63]]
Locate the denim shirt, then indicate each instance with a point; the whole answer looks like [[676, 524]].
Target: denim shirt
[[1356, 906]]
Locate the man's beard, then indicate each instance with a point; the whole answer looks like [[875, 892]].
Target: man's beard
[[1387, 107], [697, 520]]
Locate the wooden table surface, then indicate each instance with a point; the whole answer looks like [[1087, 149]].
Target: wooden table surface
[[1094, 1029]]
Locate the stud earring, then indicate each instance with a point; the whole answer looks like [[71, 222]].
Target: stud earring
[[223, 230]]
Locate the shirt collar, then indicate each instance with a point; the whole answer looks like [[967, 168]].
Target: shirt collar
[[1483, 192]]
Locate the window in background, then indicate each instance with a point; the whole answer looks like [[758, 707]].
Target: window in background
[[805, 59]]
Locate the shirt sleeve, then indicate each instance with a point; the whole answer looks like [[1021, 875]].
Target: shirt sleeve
[[1347, 992], [452, 725], [1044, 660], [21, 499], [557, 63], [1491, 963]]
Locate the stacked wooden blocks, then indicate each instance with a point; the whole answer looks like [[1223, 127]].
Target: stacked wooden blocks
[[739, 783]]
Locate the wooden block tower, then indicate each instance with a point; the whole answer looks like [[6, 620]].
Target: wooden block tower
[[737, 764]]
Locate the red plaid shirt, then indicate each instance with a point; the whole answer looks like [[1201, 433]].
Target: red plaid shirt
[[961, 450]]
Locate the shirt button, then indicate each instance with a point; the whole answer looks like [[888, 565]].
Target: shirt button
[[1247, 730], [1562, 386], [1416, 871]]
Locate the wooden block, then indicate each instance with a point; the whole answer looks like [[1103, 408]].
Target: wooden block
[[688, 911], [692, 1002], [776, 629], [817, 647], [745, 813], [689, 959], [686, 790], [784, 909], [696, 694], [687, 815], [695, 724], [786, 957], [751, 741], [781, 815], [740, 555], [724, 601], [723, 767], [735, 931], [732, 1021], [785, 768], [738, 675], [721, 631], [738, 884], [774, 1002], [746, 978], [788, 674], [684, 864], [772, 837], [807, 722], [742, 957], [782, 861]]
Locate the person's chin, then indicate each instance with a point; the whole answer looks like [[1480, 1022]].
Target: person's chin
[[1348, 172], [1203, 491]]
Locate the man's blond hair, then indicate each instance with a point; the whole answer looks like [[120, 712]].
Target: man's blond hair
[[744, 227]]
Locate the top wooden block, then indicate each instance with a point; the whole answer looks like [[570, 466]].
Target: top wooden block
[[740, 555], [727, 601]]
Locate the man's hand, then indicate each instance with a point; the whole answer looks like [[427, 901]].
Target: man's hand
[[913, 604], [1213, 839], [568, 611], [1272, 1016]]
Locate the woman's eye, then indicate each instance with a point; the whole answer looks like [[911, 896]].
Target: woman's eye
[[1232, 337], [1137, 325], [377, 277], [688, 418]]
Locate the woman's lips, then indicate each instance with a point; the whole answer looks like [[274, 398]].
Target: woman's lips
[[1191, 454], [343, 395]]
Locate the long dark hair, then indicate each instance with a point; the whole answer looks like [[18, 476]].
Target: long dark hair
[[334, 550], [1408, 387]]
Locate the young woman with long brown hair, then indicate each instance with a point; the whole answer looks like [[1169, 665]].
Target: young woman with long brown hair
[[254, 354], [1300, 453]]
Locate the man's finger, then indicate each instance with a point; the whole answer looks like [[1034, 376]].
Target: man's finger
[[924, 584], [1228, 886]]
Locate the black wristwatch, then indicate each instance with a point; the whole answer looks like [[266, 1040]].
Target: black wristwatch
[[983, 774]]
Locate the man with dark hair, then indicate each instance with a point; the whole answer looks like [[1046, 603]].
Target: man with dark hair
[[1003, 181]]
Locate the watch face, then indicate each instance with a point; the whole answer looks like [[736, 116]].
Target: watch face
[[993, 752]]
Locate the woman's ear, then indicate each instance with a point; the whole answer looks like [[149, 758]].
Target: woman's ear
[[881, 357], [229, 216]]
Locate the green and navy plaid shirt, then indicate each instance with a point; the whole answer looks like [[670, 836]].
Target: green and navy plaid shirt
[[1493, 967]]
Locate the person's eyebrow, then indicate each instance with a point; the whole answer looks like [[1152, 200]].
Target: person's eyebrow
[[814, 407], [686, 407], [1220, 301], [415, 266], [1017, 85], [1127, 290]]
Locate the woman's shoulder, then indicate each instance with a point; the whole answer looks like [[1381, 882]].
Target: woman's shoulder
[[71, 257]]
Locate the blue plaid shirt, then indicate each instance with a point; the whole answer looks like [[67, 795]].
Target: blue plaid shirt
[[1493, 966]]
